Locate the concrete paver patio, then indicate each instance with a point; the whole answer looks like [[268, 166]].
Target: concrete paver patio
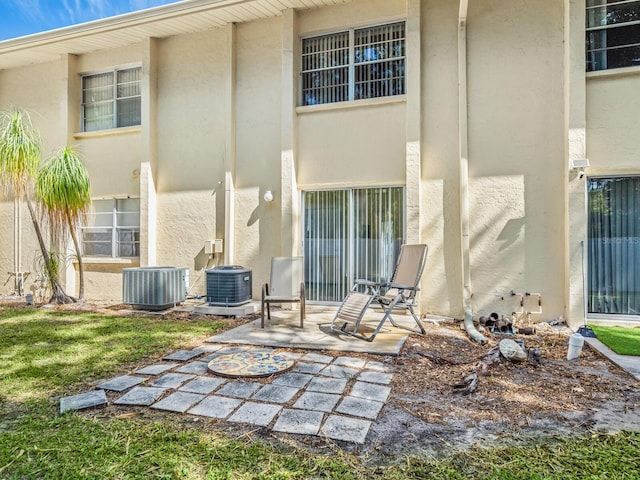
[[339, 399]]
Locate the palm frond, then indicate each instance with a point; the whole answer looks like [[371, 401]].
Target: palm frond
[[63, 188]]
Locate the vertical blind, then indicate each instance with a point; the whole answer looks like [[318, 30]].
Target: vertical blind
[[112, 99], [349, 234], [614, 245]]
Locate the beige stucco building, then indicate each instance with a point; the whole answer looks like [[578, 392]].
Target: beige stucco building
[[371, 123]]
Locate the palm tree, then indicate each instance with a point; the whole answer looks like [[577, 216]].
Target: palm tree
[[63, 190], [19, 160]]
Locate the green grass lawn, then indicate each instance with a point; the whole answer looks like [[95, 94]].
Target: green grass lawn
[[622, 340], [45, 355]]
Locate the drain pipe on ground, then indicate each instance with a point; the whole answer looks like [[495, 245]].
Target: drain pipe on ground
[[463, 149]]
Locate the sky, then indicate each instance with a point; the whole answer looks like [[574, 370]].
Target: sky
[[25, 17]]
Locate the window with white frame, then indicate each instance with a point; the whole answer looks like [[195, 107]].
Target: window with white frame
[[111, 99], [354, 64], [613, 34], [112, 228]]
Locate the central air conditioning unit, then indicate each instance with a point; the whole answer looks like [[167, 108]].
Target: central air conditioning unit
[[228, 285], [154, 288]]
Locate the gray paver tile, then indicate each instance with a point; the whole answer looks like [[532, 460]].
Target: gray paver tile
[[178, 401], [371, 391], [292, 379], [304, 422], [182, 355], [156, 369], [323, 402], [339, 371], [171, 380], [327, 385], [347, 429], [141, 396], [377, 366], [360, 407], [118, 384], [261, 414], [93, 398], [204, 385], [215, 407], [239, 389], [275, 393], [311, 368], [376, 377], [317, 358], [352, 362], [196, 367]]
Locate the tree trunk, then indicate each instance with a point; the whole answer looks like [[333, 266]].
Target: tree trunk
[[57, 293], [72, 231]]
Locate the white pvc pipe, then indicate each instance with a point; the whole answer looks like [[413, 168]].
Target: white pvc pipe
[[463, 148]]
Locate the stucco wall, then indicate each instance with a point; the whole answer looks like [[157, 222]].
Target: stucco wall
[[516, 152], [258, 145], [613, 142]]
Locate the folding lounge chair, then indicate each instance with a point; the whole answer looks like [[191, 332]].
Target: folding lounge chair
[[399, 293], [286, 285]]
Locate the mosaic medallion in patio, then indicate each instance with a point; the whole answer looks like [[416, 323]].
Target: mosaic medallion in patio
[[251, 363]]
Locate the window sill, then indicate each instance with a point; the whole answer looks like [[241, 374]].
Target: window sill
[[352, 104], [109, 261], [109, 132], [615, 72]]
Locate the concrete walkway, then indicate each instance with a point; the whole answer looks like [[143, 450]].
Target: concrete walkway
[[629, 363], [335, 396]]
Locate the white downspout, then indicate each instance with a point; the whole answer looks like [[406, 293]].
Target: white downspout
[[463, 140]]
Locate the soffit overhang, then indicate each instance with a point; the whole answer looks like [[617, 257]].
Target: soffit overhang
[[183, 17]]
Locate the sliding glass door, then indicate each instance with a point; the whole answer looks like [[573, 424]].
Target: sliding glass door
[[614, 246], [349, 234]]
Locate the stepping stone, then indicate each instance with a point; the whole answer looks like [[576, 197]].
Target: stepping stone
[[370, 391], [156, 369], [292, 379], [239, 389], [118, 384], [347, 429], [377, 366], [198, 368], [327, 385], [141, 396], [171, 380], [312, 368], [83, 400], [350, 362], [303, 422], [178, 402], [182, 355], [215, 407], [376, 377], [317, 358], [323, 402], [204, 385], [360, 407], [261, 414], [275, 393], [339, 371]]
